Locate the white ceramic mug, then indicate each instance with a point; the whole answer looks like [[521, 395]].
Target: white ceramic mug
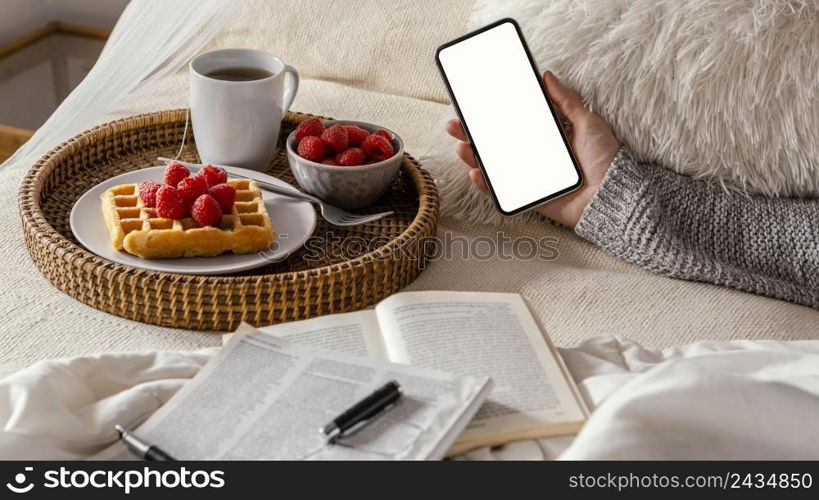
[[237, 122]]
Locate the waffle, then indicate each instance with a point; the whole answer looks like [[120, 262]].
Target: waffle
[[138, 230]]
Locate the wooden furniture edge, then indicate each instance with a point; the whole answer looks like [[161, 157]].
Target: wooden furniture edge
[[49, 29], [11, 138]]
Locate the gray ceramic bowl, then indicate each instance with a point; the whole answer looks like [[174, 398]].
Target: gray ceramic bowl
[[346, 187]]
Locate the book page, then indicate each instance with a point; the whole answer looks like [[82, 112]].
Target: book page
[[356, 333], [265, 398], [485, 334]]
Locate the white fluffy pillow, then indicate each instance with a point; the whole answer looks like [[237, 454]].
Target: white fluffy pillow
[[726, 90]]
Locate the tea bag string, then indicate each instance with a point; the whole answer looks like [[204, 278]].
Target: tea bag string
[[184, 133]]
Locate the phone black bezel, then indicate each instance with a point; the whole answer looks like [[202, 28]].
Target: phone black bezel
[[545, 96]]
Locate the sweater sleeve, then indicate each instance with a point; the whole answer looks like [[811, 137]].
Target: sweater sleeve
[[689, 229]]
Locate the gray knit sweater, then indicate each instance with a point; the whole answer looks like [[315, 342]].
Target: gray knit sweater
[[684, 228]]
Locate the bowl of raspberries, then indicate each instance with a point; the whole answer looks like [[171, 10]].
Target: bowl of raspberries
[[349, 164]]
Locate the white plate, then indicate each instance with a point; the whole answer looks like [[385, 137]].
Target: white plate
[[293, 220]]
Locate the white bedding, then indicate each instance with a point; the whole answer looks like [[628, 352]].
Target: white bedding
[[728, 400]]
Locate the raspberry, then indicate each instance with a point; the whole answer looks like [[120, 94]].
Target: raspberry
[[169, 203], [175, 172], [335, 138], [312, 148], [329, 161], [206, 211], [351, 157], [191, 188], [311, 127], [147, 192], [225, 195], [384, 133], [355, 135], [213, 175], [377, 147]]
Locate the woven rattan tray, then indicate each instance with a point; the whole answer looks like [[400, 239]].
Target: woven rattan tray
[[357, 266]]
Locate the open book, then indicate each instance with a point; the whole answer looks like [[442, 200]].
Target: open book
[[264, 398], [467, 333]]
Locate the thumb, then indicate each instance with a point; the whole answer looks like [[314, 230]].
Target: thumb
[[565, 98]]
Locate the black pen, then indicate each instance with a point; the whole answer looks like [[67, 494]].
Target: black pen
[[361, 413], [142, 449]]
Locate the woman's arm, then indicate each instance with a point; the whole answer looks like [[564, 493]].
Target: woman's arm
[[689, 229], [676, 225]]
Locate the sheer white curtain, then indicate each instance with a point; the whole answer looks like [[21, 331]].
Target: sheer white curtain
[[152, 38]]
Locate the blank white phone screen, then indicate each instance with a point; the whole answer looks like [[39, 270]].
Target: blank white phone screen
[[512, 129]]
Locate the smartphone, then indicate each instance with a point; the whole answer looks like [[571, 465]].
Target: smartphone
[[507, 115]]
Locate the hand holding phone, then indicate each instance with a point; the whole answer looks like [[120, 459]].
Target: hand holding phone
[[591, 139], [520, 148]]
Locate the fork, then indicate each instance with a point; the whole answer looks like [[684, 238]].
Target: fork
[[331, 213]]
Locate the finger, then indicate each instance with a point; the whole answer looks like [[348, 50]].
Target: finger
[[565, 98], [464, 152], [454, 128], [477, 179]]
